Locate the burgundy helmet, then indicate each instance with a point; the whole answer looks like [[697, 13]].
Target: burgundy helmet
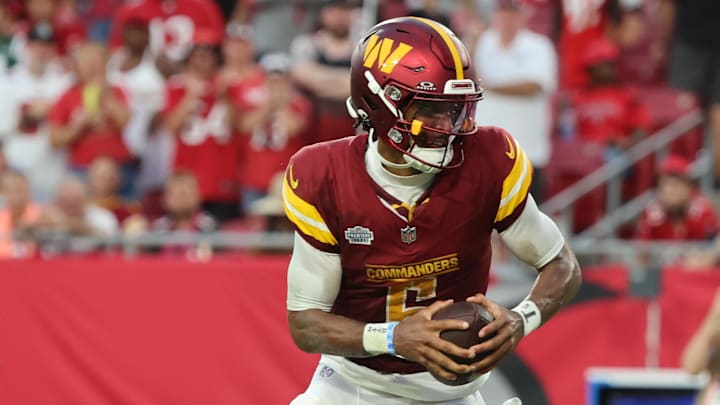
[[408, 68]]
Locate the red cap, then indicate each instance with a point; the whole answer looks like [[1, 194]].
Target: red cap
[[599, 51], [675, 165], [205, 37], [138, 16]]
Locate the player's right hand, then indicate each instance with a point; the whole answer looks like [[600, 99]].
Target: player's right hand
[[417, 338]]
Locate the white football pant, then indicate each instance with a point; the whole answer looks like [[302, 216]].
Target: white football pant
[[330, 387]]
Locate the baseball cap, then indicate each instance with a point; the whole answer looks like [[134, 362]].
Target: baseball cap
[[599, 51], [276, 62], [41, 32], [138, 17], [676, 165], [236, 30], [205, 37]]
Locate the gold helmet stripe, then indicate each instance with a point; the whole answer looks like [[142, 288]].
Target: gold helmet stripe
[[450, 44]]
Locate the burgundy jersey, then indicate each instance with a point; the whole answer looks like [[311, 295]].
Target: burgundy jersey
[[396, 257]]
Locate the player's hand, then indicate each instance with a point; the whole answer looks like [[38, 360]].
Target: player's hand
[[507, 328], [417, 338]]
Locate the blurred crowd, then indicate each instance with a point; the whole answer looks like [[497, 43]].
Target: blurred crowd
[[126, 117]]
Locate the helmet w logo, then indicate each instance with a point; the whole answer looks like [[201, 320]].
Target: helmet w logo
[[381, 51]]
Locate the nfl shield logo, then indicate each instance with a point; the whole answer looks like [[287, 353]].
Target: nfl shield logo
[[408, 234]]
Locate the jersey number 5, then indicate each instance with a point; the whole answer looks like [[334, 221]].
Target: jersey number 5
[[402, 297]]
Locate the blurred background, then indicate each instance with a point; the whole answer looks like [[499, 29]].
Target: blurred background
[[143, 241]]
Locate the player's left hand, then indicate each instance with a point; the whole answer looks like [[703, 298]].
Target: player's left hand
[[507, 328]]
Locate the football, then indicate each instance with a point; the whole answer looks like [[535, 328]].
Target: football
[[477, 317]]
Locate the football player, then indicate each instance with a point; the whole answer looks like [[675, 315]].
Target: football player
[[394, 225]]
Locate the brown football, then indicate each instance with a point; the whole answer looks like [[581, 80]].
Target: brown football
[[477, 317]]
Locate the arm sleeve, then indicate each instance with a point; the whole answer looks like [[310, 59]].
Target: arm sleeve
[[515, 183], [533, 237], [313, 277]]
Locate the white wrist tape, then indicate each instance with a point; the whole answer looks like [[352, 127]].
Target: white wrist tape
[[530, 314], [378, 338]]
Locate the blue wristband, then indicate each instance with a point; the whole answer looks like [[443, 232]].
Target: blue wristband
[[390, 336]]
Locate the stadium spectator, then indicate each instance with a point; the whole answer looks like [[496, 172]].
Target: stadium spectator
[[607, 112], [643, 59], [61, 16], [274, 125], [88, 119], [243, 77], [104, 180], [173, 27], [198, 113], [28, 93], [183, 213], [322, 68], [695, 58], [519, 75], [7, 28], [239, 70], [73, 215], [585, 22], [679, 212], [276, 23], [702, 353], [132, 69], [17, 216]]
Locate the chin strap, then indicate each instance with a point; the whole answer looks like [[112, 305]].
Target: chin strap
[[374, 146]]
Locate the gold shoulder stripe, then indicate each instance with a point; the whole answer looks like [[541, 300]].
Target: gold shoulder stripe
[[516, 185], [450, 44], [305, 216]]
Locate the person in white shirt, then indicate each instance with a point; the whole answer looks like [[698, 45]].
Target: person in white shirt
[[133, 69], [75, 213], [519, 75], [28, 93]]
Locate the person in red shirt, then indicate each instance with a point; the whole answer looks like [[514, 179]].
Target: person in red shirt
[[679, 212], [198, 113], [89, 117], [586, 21], [183, 213], [173, 27], [61, 17], [607, 112], [274, 126]]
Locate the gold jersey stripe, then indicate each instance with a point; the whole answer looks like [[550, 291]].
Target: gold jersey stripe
[[306, 217], [450, 44], [516, 184]]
